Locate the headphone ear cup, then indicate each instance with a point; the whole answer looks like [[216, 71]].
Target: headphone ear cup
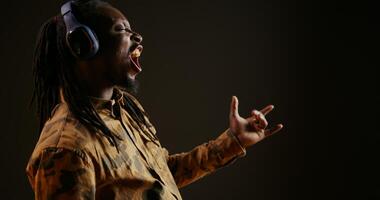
[[82, 42]]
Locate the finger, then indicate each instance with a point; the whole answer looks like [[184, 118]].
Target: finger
[[260, 120], [234, 110], [253, 123], [267, 109], [273, 130]]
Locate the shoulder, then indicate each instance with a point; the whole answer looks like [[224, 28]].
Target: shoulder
[[64, 139], [63, 130]]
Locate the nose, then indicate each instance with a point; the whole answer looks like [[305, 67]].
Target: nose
[[137, 38]]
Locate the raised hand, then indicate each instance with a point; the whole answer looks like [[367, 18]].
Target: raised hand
[[252, 129]]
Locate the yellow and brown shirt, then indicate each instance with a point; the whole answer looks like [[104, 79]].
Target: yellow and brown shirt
[[70, 162]]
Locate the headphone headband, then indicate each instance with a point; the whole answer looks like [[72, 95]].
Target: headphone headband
[[65, 8]]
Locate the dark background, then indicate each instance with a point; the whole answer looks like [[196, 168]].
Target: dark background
[[314, 60]]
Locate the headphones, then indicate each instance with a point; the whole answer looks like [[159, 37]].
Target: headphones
[[80, 39]]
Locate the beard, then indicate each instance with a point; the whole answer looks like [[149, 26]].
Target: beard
[[130, 85]]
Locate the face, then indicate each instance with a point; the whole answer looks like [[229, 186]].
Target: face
[[120, 47]]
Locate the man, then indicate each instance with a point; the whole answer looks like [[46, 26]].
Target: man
[[96, 140]]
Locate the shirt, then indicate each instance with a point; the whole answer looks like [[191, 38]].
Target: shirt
[[71, 162]]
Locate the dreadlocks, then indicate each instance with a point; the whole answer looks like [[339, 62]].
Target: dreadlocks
[[53, 70]]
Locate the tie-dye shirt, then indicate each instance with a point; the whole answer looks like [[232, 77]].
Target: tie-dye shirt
[[71, 162]]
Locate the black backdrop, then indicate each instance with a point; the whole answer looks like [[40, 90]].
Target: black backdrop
[[314, 60]]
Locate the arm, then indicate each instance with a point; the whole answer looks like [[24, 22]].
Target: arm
[[204, 159], [63, 174], [243, 132]]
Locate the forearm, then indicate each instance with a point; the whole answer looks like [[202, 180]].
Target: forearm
[[204, 159]]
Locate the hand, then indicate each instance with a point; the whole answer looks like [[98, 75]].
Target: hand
[[253, 129]]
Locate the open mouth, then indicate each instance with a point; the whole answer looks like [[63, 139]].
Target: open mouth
[[134, 56]]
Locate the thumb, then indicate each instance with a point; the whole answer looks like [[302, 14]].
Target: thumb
[[234, 111]]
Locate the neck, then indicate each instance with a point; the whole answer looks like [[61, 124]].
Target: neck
[[101, 92], [105, 94], [97, 88], [92, 80]]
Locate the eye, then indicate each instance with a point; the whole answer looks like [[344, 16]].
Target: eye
[[122, 28], [119, 28]]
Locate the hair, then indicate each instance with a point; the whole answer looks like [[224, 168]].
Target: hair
[[53, 70]]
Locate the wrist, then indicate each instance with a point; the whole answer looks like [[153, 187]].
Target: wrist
[[236, 138]]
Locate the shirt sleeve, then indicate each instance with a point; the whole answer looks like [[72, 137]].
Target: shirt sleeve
[[63, 174], [190, 166]]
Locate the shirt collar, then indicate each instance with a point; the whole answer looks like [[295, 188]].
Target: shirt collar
[[103, 104], [100, 104]]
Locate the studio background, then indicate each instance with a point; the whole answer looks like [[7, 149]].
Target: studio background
[[315, 61]]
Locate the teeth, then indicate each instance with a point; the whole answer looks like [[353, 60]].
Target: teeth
[[136, 53]]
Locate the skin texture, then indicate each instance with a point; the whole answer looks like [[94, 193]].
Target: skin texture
[[112, 67], [253, 129]]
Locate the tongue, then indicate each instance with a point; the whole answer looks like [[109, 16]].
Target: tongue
[[136, 64]]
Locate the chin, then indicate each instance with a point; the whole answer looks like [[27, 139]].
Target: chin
[[129, 83]]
